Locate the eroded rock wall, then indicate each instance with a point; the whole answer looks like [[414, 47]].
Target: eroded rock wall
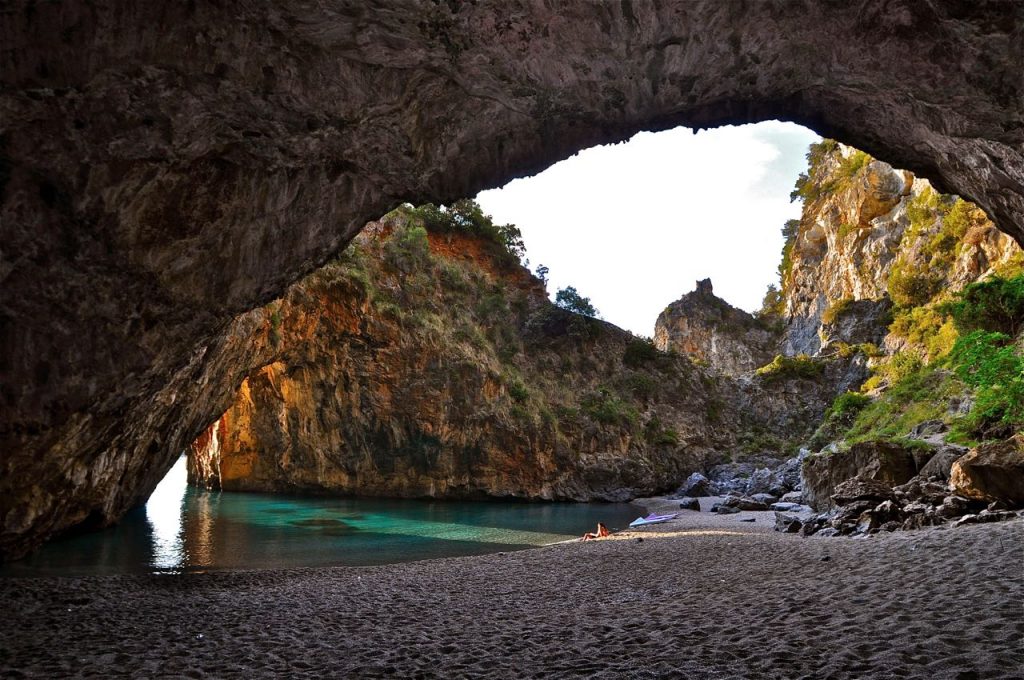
[[438, 369], [166, 167]]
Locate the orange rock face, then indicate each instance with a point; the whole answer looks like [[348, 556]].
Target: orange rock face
[[436, 369]]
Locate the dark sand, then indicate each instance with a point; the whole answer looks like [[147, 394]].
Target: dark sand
[[700, 597]]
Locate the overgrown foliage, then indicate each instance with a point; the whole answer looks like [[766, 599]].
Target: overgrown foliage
[[995, 304], [993, 365], [785, 367], [607, 408], [467, 217], [640, 351]]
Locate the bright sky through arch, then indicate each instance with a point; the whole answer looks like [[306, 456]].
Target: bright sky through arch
[[634, 225]]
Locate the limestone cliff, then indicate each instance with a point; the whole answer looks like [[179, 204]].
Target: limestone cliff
[[870, 236], [429, 364], [711, 331]]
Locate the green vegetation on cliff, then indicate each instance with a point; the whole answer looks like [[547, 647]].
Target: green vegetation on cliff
[[984, 362]]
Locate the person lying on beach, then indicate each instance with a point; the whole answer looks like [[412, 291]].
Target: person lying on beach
[[602, 531]]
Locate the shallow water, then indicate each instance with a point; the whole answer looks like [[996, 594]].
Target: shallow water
[[187, 529]]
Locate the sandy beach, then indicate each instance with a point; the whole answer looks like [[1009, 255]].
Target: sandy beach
[[703, 596]]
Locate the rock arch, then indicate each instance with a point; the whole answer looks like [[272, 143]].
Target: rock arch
[[166, 167]]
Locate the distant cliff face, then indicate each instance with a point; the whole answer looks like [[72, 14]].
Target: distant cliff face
[[421, 365], [428, 365], [712, 332]]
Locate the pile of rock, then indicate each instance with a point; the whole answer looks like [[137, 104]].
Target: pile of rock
[[762, 476], [984, 485]]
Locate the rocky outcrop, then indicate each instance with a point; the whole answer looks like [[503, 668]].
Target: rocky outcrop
[[884, 462], [712, 332], [992, 472], [167, 167], [869, 231]]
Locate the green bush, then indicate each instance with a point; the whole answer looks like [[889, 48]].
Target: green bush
[[848, 403], [836, 310], [657, 435], [922, 395], [609, 409], [927, 327], [467, 217], [641, 386], [640, 351], [517, 390], [996, 305], [989, 362], [407, 249], [784, 367], [909, 287]]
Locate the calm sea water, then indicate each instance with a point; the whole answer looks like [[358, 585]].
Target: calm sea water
[[186, 529]]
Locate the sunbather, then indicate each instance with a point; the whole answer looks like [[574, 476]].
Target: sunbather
[[602, 531]]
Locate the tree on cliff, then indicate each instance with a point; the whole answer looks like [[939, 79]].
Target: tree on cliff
[[569, 298]]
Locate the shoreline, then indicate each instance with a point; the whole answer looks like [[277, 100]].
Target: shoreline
[[702, 596]]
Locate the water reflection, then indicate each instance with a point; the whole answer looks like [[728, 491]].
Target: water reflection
[[164, 512], [187, 529]]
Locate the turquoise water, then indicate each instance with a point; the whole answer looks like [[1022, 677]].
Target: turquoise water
[[186, 529]]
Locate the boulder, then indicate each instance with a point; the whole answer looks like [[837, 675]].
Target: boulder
[[992, 472], [789, 472], [696, 486], [928, 428], [787, 524], [687, 503], [723, 509], [744, 503], [920, 490], [858, 489], [953, 506], [761, 482], [827, 532], [886, 462], [985, 516], [765, 498], [793, 497], [787, 507], [940, 464]]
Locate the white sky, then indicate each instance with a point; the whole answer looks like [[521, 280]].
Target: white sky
[[633, 226]]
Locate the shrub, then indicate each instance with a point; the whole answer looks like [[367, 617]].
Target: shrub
[[467, 217], [922, 395], [657, 435], [642, 386], [784, 367], [927, 327], [275, 327], [835, 310], [640, 351], [773, 304], [407, 249], [517, 390], [909, 287], [848, 404], [989, 362], [608, 409], [996, 305]]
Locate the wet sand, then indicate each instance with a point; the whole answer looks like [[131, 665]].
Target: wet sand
[[703, 596]]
